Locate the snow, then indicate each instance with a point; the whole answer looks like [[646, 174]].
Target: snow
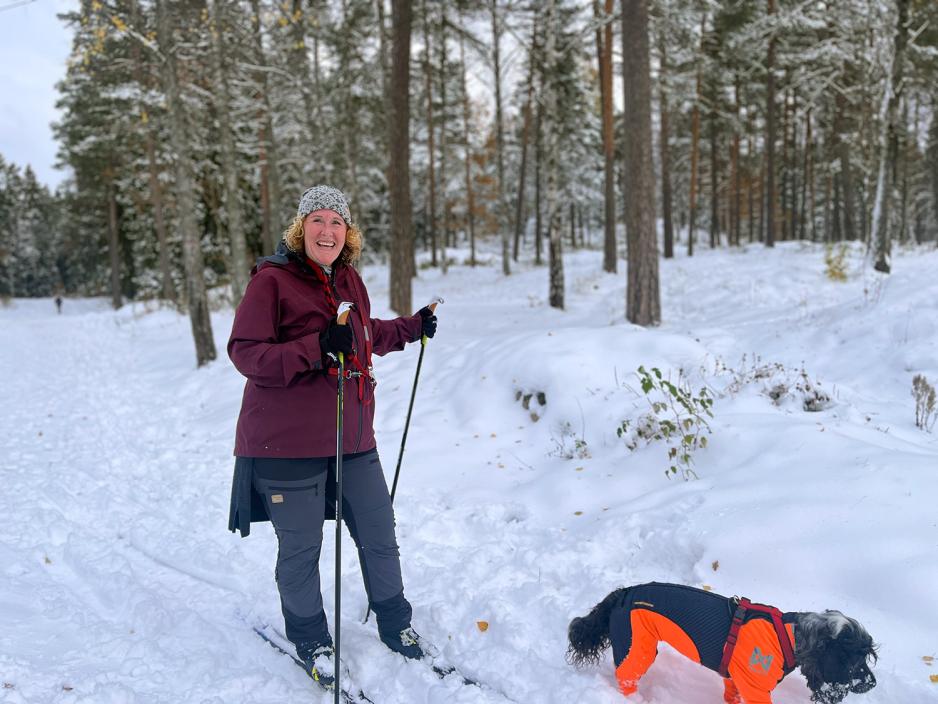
[[122, 584]]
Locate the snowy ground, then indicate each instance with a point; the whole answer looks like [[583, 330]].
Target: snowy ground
[[121, 583]]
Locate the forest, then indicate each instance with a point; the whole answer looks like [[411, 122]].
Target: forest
[[488, 132]]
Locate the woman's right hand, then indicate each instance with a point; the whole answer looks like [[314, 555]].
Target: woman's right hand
[[337, 338]]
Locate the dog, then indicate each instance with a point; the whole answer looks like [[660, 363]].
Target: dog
[[752, 646]]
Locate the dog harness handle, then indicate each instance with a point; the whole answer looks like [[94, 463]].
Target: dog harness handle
[[739, 618]]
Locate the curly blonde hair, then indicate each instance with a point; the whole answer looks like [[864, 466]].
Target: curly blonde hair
[[293, 236]]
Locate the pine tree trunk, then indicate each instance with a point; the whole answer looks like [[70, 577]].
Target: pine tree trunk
[[786, 171], [762, 199], [694, 168], [312, 111], [736, 210], [538, 157], [838, 233], [113, 241], [552, 154], [714, 182], [196, 295], [443, 177], [402, 267], [159, 222], [604, 55], [153, 178], [845, 179], [470, 193], [770, 137], [349, 121], [931, 153], [665, 147], [886, 183], [234, 220], [431, 130], [751, 190], [500, 139], [275, 209], [695, 147], [520, 215], [643, 305], [806, 177]]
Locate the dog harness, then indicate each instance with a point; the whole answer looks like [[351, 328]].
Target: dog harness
[[744, 605]]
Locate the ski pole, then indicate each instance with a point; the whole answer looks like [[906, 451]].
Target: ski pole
[[423, 346], [400, 456], [341, 318]]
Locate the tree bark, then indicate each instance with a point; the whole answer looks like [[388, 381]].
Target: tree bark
[[736, 210], [431, 141], [847, 191], [500, 139], [714, 178], [665, 147], [234, 220], [695, 149], [806, 178], [643, 305], [312, 110], [551, 105], [470, 192], [402, 267], [275, 207], [443, 176], [538, 158], [770, 137], [604, 55], [886, 183], [196, 295], [113, 240]]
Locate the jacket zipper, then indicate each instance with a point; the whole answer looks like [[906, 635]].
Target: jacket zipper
[[314, 487], [335, 292]]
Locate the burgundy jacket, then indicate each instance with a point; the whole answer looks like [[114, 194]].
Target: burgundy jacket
[[289, 404]]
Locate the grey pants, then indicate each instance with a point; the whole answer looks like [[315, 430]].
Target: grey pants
[[297, 508]]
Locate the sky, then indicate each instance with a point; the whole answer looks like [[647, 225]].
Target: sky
[[34, 46]]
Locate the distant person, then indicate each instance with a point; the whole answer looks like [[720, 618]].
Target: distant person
[[58, 304], [285, 339]]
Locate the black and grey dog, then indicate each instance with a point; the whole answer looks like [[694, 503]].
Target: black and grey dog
[[752, 646]]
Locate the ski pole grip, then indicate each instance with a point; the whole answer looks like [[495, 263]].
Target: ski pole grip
[[342, 314], [434, 302]]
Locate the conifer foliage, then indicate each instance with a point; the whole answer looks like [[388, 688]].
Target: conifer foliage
[[480, 131]]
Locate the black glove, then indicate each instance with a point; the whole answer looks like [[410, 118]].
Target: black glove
[[336, 338], [427, 322]]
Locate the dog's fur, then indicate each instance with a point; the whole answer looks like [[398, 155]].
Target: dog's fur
[[833, 651]]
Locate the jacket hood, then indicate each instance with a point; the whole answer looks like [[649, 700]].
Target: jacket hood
[[284, 257]]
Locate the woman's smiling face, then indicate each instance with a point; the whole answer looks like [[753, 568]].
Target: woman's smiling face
[[324, 236]]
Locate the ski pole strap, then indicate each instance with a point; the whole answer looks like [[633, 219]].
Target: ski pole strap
[[361, 374], [743, 606]]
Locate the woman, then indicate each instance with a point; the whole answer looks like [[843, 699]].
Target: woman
[[285, 340]]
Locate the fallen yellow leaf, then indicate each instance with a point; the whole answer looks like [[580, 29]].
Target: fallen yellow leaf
[[933, 678], [928, 658], [707, 588], [483, 625], [577, 513]]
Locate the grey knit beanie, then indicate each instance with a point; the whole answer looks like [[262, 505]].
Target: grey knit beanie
[[324, 198]]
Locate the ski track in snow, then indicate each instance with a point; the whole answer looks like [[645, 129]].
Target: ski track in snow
[[122, 584]]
